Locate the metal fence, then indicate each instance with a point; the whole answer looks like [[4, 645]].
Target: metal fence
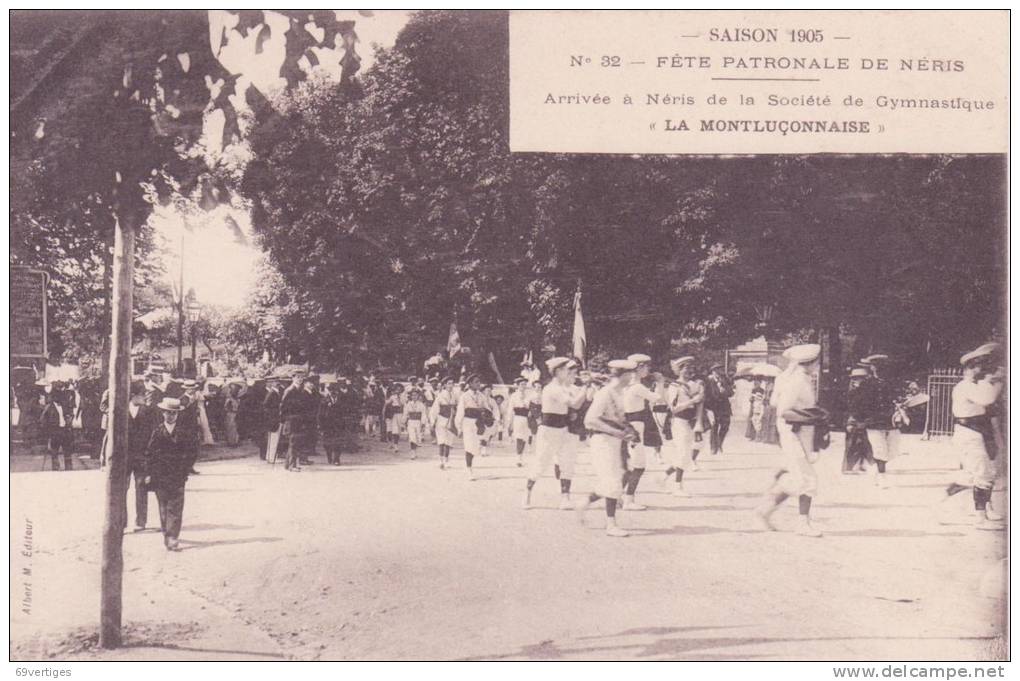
[[940, 405]]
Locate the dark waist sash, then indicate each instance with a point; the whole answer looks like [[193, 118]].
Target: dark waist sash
[[554, 420], [472, 413], [414, 416], [392, 410], [521, 411], [660, 409], [636, 416], [446, 410], [981, 424]]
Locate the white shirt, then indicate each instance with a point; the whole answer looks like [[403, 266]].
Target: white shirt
[[133, 409], [170, 426], [608, 404], [972, 399], [556, 398], [635, 396], [793, 390]]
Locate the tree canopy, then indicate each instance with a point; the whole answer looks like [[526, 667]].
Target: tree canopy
[[395, 206]]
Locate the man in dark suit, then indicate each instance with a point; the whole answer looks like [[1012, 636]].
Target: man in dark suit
[[167, 465], [142, 421], [298, 408], [55, 426], [718, 391]]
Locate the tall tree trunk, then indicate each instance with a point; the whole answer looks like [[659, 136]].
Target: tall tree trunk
[[107, 302], [116, 461]]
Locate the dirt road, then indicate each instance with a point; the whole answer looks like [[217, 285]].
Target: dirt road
[[387, 558]]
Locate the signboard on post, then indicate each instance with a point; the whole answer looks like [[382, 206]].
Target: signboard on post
[[28, 313]]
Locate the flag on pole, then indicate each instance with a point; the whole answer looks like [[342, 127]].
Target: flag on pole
[[580, 340], [495, 368], [453, 344]]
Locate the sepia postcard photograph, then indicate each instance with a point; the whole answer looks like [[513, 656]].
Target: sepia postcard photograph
[[437, 335]]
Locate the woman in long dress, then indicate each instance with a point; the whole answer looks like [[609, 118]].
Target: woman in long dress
[[203, 418], [231, 405]]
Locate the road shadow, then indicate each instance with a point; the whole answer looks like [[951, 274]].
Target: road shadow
[[213, 651], [189, 544], [890, 533], [202, 527], [687, 530], [218, 490], [682, 648]]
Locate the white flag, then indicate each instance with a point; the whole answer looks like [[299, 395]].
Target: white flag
[[580, 340], [453, 344]]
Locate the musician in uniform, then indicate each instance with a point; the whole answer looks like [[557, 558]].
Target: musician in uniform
[[554, 442], [519, 418], [638, 402], [685, 400], [416, 414], [610, 432], [794, 396], [470, 422], [442, 416], [975, 437]]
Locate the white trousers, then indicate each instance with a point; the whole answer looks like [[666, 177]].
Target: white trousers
[[678, 451], [638, 452], [607, 461], [414, 431], [520, 428], [554, 445], [472, 440], [979, 470], [800, 476], [443, 434], [885, 444]]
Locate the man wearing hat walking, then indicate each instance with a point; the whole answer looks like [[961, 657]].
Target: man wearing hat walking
[[638, 401], [975, 436], [685, 399], [554, 441], [879, 399], [857, 450], [167, 465], [793, 394], [610, 432], [142, 420], [468, 419], [718, 391], [443, 411]]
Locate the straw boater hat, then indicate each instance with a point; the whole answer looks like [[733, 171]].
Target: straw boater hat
[[981, 352], [170, 404], [803, 354], [874, 359], [859, 372], [639, 358], [556, 362], [620, 366]]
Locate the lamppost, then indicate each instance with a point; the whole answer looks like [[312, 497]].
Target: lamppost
[[194, 312]]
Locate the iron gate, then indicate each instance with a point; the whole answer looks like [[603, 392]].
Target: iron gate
[[940, 405]]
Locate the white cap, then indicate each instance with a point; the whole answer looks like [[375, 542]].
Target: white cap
[[623, 364], [983, 351], [639, 358], [803, 354], [556, 362], [680, 361]]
